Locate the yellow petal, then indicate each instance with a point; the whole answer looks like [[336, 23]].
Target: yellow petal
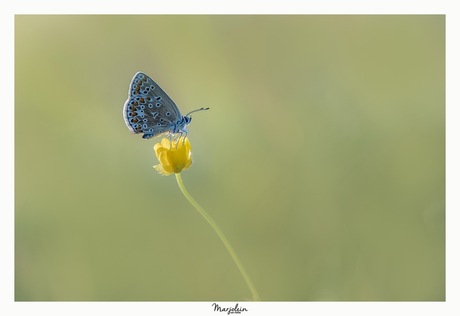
[[160, 170], [165, 143]]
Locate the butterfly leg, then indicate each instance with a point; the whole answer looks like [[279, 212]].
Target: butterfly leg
[[173, 137], [170, 136], [184, 133]]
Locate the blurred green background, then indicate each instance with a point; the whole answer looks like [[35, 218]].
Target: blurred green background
[[322, 158]]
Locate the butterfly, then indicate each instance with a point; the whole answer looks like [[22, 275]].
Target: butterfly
[[151, 111]]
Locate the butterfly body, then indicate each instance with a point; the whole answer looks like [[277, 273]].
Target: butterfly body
[[149, 110]]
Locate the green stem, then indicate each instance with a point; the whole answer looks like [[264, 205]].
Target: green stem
[[221, 235]]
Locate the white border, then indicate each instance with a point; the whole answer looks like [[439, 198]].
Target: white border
[[8, 8]]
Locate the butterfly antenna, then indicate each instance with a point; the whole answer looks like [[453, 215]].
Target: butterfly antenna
[[200, 109]]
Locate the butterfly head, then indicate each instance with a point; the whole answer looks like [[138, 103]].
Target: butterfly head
[[187, 118]]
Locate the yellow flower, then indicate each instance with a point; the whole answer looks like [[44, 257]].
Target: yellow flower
[[173, 157]]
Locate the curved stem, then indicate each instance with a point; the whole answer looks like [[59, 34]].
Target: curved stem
[[221, 235]]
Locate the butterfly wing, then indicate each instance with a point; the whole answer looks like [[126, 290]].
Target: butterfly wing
[[149, 109]]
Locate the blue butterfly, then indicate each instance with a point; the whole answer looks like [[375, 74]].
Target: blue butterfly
[[151, 111]]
